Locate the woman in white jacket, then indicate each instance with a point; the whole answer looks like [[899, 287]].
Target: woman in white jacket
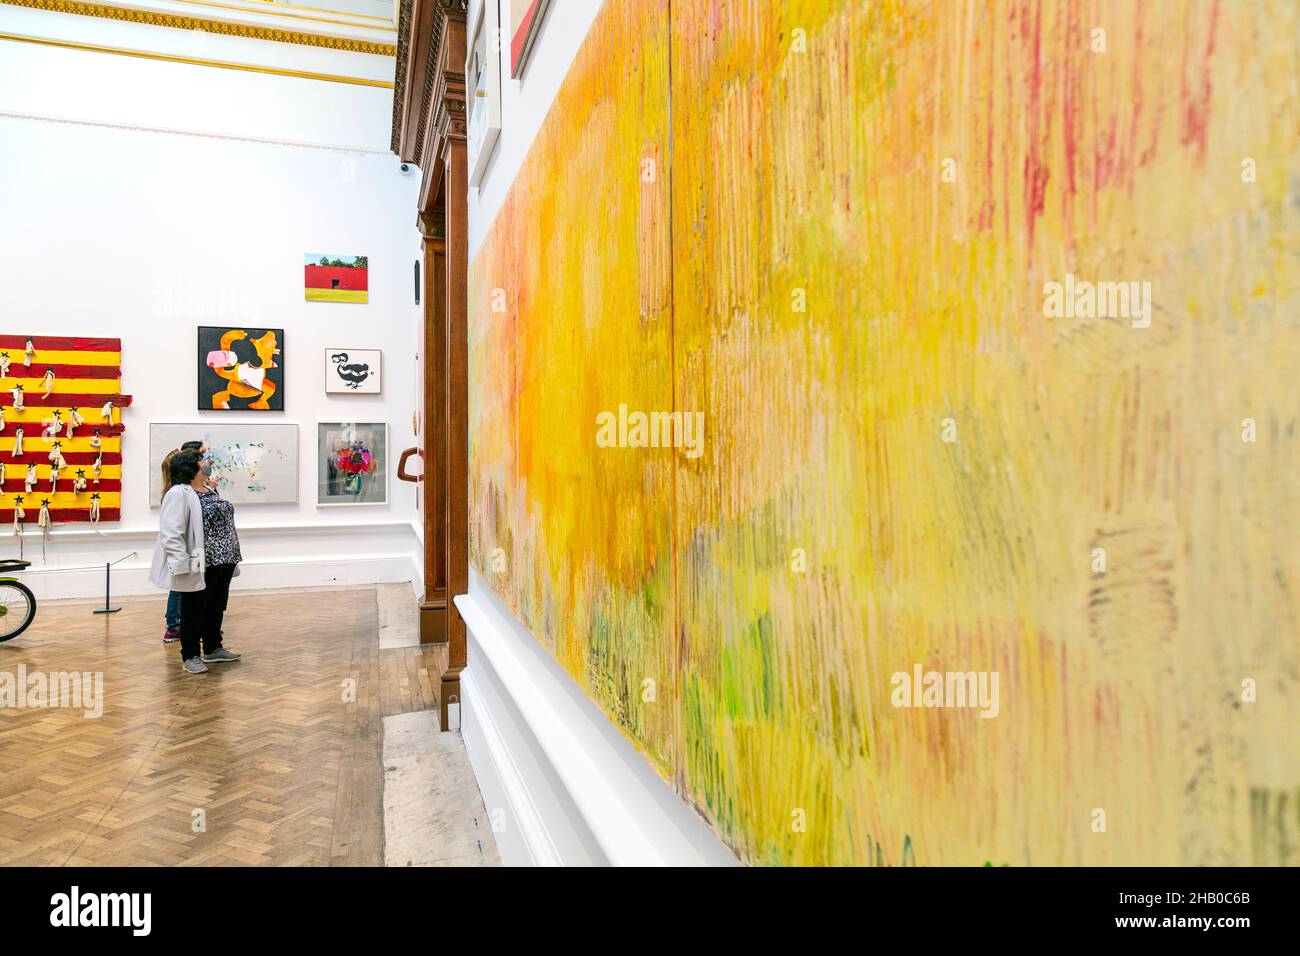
[[180, 564]]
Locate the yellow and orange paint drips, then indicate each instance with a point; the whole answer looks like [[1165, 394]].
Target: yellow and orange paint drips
[[828, 226]]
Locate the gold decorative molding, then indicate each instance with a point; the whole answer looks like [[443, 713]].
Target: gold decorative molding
[[387, 28], [196, 61], [405, 8], [153, 18], [289, 6], [200, 134]]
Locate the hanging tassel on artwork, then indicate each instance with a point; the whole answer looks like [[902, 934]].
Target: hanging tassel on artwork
[[56, 455], [48, 382], [78, 481], [43, 522], [95, 470], [107, 412], [18, 398], [5, 362], [3, 466], [75, 421], [54, 425], [30, 352], [54, 481], [2, 418], [30, 480], [19, 514], [95, 441], [94, 509], [18, 443]]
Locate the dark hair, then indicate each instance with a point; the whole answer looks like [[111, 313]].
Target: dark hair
[[184, 467], [192, 446]]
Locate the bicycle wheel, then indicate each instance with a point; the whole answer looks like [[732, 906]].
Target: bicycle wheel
[[17, 608]]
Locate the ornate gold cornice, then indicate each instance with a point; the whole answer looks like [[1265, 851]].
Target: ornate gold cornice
[[386, 28], [197, 61], [421, 35], [274, 8], [399, 76], [154, 18], [446, 104]]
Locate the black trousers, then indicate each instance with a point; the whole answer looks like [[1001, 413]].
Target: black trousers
[[202, 611]]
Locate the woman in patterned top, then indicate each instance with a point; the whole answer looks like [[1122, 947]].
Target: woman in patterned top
[[197, 555], [172, 615], [221, 557]]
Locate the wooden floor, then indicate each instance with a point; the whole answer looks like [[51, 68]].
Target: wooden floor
[[266, 753]]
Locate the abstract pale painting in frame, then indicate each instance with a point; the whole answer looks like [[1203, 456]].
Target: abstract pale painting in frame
[[254, 463]]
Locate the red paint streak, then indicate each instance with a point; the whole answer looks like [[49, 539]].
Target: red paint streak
[[1196, 106], [61, 343], [1135, 91], [69, 399], [986, 208], [521, 35], [42, 457], [81, 431], [63, 371], [321, 277], [1070, 103], [1036, 172], [1071, 118], [57, 515], [15, 487]]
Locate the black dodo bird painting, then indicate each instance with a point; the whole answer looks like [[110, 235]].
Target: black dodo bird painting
[[353, 375]]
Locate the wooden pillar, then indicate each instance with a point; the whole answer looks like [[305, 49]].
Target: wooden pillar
[[433, 416], [429, 128], [457, 408]]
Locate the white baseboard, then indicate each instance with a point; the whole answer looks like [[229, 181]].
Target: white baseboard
[[518, 826], [253, 576], [562, 785], [283, 556]]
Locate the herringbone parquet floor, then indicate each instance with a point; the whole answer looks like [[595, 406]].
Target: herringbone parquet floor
[[263, 762]]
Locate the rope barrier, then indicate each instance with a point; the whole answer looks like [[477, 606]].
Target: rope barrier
[[87, 567]]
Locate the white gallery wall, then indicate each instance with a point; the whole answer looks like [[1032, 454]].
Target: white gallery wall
[[141, 199]]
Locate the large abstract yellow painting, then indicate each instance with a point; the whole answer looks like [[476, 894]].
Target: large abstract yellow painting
[[886, 412]]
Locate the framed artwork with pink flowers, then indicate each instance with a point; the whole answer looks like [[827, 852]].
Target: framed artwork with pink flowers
[[352, 463]]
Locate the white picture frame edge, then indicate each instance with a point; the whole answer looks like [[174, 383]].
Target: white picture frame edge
[[351, 504], [483, 16], [331, 348]]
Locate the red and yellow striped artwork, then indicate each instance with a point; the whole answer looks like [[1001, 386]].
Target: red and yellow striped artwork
[[61, 400]]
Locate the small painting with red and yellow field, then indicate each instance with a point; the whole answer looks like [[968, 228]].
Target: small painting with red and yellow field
[[331, 278]]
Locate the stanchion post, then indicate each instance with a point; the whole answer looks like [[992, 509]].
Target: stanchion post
[[106, 609]]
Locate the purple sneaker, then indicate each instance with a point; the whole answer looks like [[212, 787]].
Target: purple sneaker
[[171, 635]]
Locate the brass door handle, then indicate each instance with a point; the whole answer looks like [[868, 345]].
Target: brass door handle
[[401, 465]]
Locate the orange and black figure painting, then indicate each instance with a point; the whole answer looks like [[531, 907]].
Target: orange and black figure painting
[[241, 369]]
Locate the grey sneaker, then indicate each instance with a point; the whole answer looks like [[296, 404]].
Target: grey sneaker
[[195, 665], [220, 656]]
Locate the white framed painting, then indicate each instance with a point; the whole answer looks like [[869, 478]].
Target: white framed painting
[[354, 371], [482, 86], [352, 463], [254, 463]]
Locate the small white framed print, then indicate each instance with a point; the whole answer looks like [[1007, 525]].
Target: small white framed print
[[354, 371]]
